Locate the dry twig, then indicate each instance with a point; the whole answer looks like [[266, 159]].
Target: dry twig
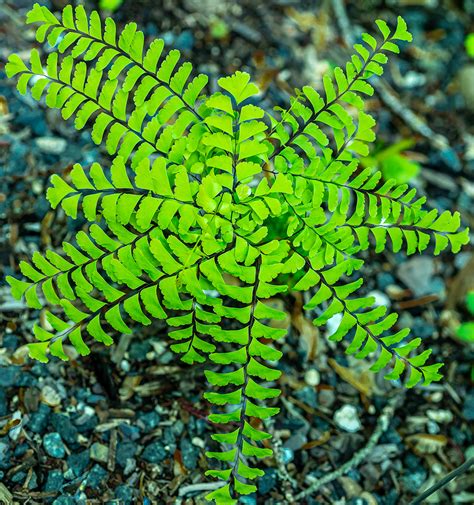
[[383, 423]]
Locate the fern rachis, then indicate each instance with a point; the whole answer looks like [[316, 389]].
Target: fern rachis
[[187, 204]]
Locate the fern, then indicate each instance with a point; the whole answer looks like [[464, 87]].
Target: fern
[[187, 206]]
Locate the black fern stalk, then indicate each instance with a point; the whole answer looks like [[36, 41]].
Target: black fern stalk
[[187, 204]]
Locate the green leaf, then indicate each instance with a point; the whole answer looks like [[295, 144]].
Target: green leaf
[[238, 86]]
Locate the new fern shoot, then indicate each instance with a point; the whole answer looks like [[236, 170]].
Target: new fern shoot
[[185, 207]]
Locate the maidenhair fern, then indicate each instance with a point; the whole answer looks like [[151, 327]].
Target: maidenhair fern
[[186, 208]]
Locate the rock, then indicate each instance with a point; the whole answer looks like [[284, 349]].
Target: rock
[[466, 84], [267, 482], [347, 419], [124, 494], [333, 324], [469, 452], [130, 432], [184, 41], [468, 408], [412, 481], [5, 455], [19, 477], [312, 377], [50, 396], [39, 420], [248, 500], [33, 482], [63, 425], [10, 376], [130, 465], [3, 403], [308, 395], [54, 481], [51, 145], [296, 441], [384, 279], [78, 462], [125, 450], [440, 415], [381, 299], [53, 445], [287, 455], [154, 453], [139, 349], [96, 476], [99, 452], [416, 274], [65, 500], [326, 397], [189, 454]]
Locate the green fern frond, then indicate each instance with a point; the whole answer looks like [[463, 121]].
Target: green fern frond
[[182, 220]]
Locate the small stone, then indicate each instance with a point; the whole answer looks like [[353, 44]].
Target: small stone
[[130, 465], [51, 145], [381, 299], [267, 482], [125, 450], [198, 442], [54, 446], [326, 397], [65, 500], [3, 403], [50, 396], [312, 377], [99, 452], [347, 419], [440, 415], [189, 454], [333, 324], [39, 420], [287, 455], [468, 408], [9, 376], [469, 453], [416, 274], [154, 453], [19, 477], [124, 494], [33, 482], [308, 395], [296, 441], [432, 428], [96, 476], [130, 432], [63, 425], [78, 462], [54, 481], [412, 481]]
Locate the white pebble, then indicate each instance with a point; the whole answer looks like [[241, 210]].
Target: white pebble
[[347, 419], [312, 377]]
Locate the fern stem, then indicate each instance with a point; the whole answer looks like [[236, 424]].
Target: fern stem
[[138, 64], [314, 115]]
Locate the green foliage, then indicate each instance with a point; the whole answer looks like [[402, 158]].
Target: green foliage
[[465, 330], [110, 5], [393, 163], [469, 43], [185, 208]]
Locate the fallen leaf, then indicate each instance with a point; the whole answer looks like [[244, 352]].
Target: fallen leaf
[[424, 443], [363, 381]]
